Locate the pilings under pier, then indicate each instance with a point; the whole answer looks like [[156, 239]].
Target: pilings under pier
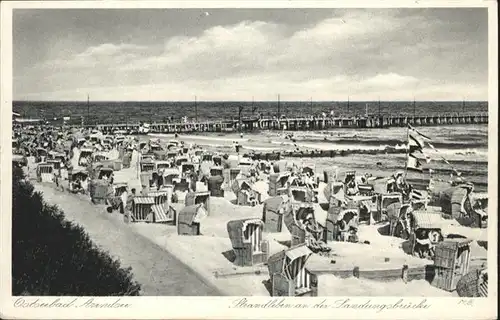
[[303, 124]]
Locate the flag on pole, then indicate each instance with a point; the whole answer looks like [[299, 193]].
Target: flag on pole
[[413, 163], [414, 147], [415, 144], [416, 132], [417, 195]]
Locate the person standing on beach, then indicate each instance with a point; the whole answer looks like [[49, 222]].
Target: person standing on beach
[[225, 162], [128, 208], [56, 177]]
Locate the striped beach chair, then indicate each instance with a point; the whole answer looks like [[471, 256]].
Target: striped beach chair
[[141, 208], [289, 275], [246, 238]]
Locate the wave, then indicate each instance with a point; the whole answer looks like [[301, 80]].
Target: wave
[[459, 144], [332, 146], [260, 148], [471, 136], [483, 153], [437, 168], [398, 148], [357, 140], [197, 137]]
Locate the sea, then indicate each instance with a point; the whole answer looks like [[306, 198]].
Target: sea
[[457, 148]]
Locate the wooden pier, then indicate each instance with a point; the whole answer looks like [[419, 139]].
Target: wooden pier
[[304, 123]]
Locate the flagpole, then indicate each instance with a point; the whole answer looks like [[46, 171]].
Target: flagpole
[[407, 149], [430, 179]]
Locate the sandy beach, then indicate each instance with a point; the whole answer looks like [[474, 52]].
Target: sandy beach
[[158, 271], [169, 264]]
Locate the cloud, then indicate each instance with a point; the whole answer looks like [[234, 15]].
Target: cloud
[[362, 53], [104, 54], [242, 87], [109, 49], [389, 80]]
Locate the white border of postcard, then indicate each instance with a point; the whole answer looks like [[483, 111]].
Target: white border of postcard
[[223, 307]]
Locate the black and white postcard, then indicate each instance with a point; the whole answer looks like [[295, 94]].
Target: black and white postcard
[[246, 159]]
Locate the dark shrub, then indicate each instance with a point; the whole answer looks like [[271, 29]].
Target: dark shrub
[[51, 256]]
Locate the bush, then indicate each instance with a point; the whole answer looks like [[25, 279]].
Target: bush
[[51, 256]]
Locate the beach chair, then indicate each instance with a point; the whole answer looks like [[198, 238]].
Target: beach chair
[[41, 155], [331, 231], [142, 209], [180, 160], [155, 147], [214, 184], [147, 166], [289, 275], [55, 163], [216, 171], [473, 284], [334, 193], [425, 233], [85, 153], [296, 219], [189, 220], [104, 172], [161, 197], [246, 195], [195, 198], [172, 154], [45, 172], [248, 245], [119, 188], [229, 176], [245, 165], [207, 157], [187, 167], [171, 176], [173, 144], [366, 189], [99, 190], [163, 214], [348, 225], [301, 194], [98, 157], [367, 208], [272, 213], [457, 203], [162, 164], [217, 160], [389, 204], [309, 168], [330, 175], [77, 175], [451, 262], [264, 166], [278, 184]]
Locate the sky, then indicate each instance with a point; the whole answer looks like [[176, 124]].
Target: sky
[[244, 54]]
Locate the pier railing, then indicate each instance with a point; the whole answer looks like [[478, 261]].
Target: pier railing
[[305, 123]]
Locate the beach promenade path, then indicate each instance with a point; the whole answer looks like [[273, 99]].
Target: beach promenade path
[[158, 271]]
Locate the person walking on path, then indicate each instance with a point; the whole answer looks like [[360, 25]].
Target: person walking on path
[[128, 209]]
